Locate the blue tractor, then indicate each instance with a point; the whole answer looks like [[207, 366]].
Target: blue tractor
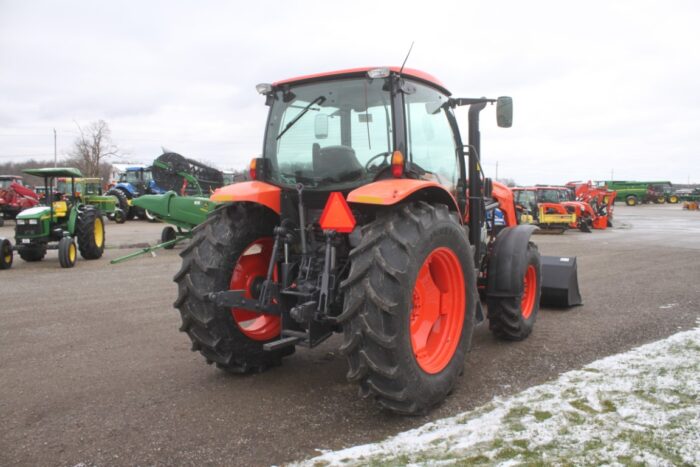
[[135, 181]]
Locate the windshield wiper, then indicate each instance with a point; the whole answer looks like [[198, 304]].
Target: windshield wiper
[[319, 100]]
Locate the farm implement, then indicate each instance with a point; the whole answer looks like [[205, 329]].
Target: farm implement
[[57, 225], [366, 215], [14, 197], [183, 213]]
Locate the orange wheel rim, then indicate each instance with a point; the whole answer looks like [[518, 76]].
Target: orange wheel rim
[[252, 265], [527, 303], [437, 316]]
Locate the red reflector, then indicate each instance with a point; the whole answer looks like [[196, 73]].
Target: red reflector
[[337, 214], [252, 172]]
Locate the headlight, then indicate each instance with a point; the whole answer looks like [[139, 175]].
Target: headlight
[[33, 221], [20, 221]]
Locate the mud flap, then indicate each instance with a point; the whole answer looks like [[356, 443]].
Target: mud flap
[[559, 282]]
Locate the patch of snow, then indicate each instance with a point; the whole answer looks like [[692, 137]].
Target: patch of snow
[[642, 406], [670, 305]]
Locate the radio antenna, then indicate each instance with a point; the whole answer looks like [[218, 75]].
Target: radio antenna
[[405, 59]]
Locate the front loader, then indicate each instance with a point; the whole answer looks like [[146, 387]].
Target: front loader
[[366, 216]]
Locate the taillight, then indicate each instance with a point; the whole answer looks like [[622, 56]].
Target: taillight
[[252, 171], [397, 164]]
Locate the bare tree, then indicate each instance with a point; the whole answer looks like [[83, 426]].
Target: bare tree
[[91, 148]]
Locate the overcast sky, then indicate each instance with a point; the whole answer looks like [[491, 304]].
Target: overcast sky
[[598, 86]]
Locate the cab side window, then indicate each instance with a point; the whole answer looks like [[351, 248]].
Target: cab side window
[[431, 144]]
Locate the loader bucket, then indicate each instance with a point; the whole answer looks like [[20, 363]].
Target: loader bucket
[[559, 282]]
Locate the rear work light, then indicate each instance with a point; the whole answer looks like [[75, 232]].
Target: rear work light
[[397, 164]]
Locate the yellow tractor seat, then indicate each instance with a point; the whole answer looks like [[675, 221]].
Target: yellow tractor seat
[[60, 208]]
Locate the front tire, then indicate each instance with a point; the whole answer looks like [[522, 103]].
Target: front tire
[[32, 253], [512, 318], [67, 252], [409, 304], [631, 200], [229, 250], [90, 231], [6, 254]]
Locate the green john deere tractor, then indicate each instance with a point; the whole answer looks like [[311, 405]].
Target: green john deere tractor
[[57, 224], [89, 191]]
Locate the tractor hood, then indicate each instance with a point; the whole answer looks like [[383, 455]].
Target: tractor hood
[[34, 213]]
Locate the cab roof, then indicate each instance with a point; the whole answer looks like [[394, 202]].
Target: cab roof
[[54, 172], [354, 72]]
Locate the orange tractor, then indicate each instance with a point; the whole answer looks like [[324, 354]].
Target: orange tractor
[[599, 198], [366, 216]]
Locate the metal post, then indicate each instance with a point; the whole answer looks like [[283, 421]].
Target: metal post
[[55, 158]]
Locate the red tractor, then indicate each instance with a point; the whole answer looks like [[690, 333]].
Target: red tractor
[[14, 197], [600, 198], [366, 216]]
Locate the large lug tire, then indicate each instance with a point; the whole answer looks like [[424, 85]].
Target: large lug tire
[[122, 200], [231, 249], [32, 253], [512, 318], [6, 254], [67, 252], [90, 231], [631, 200], [673, 199], [409, 306], [167, 235]]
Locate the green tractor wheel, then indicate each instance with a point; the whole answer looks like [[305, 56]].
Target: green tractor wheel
[[67, 252], [6, 254], [673, 199], [32, 253], [631, 200], [122, 200], [90, 231]]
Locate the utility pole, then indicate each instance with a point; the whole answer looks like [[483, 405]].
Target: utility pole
[[612, 174], [496, 170], [55, 157]]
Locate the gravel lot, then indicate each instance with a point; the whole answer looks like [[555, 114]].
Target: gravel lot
[[94, 371]]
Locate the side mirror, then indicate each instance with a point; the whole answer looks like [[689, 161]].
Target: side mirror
[[321, 126], [504, 111]]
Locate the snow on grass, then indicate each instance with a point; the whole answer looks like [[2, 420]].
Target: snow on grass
[[639, 407]]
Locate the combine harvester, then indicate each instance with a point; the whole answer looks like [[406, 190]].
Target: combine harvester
[[182, 178]]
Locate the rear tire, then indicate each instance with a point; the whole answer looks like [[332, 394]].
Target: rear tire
[[208, 264], [512, 318], [122, 200], [67, 252], [90, 231], [384, 301], [673, 199], [6, 254], [32, 253], [631, 200]]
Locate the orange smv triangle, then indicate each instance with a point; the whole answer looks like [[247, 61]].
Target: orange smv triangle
[[337, 214]]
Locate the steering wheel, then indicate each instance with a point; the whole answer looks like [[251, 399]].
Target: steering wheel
[[385, 155]]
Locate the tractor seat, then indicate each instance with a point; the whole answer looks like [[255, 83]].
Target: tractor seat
[[336, 162], [60, 208]]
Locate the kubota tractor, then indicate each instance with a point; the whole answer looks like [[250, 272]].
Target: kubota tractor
[[365, 216]]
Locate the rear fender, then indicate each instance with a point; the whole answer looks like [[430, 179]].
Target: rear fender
[[253, 192], [508, 261], [393, 191]]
